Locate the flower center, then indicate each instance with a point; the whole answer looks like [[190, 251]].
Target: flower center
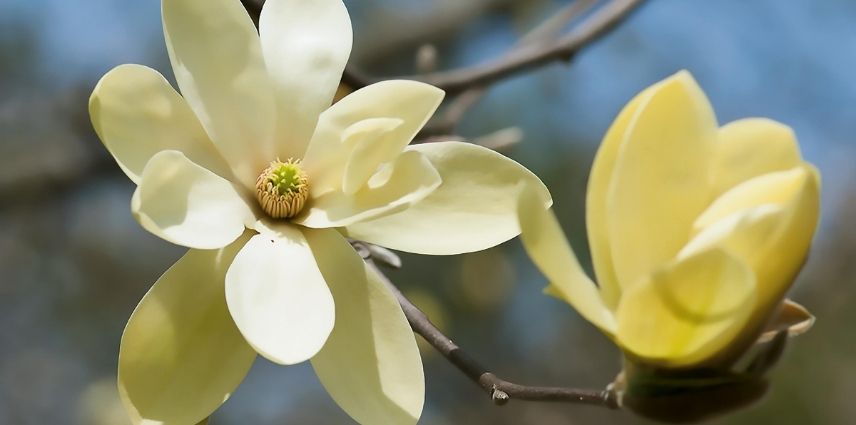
[[282, 188]]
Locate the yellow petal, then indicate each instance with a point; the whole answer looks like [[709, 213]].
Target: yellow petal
[[660, 183], [602, 171], [306, 46], [278, 297], [409, 101], [474, 208], [549, 249], [775, 188], [747, 233], [370, 365], [751, 147], [217, 59], [397, 186], [772, 232], [791, 318], [804, 213], [181, 355], [188, 205], [687, 312], [137, 114]]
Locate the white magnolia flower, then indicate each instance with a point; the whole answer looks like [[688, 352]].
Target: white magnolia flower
[[254, 171]]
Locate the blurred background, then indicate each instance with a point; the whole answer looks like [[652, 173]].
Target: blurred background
[[74, 263]]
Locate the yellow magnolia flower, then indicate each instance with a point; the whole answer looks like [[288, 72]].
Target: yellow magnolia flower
[[255, 171], [696, 232]]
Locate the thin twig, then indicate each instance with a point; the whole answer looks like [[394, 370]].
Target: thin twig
[[553, 26], [518, 59], [499, 390], [545, 31], [500, 140], [446, 122]]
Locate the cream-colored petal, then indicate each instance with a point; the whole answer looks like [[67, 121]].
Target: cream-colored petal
[[751, 147], [410, 101], [188, 205], [217, 59], [548, 248], [137, 114], [660, 182], [369, 153], [306, 46], [344, 165], [278, 297], [687, 312], [791, 318], [397, 186], [181, 355], [473, 209], [370, 364], [600, 178]]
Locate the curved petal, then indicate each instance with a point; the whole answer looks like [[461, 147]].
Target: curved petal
[[216, 56], [137, 114], [791, 318], [181, 355], [546, 244], [747, 233], [278, 297], [364, 146], [751, 147], [602, 171], [306, 45], [395, 187], [660, 183], [370, 364], [188, 205], [369, 153], [777, 272], [775, 188], [773, 237], [410, 101], [474, 208], [688, 312]]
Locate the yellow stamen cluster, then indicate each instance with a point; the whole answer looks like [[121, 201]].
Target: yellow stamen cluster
[[282, 188]]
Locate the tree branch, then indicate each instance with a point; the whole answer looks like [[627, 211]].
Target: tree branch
[[518, 59], [499, 390], [446, 123]]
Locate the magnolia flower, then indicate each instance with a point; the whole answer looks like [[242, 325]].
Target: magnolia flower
[[254, 171], [696, 232]]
